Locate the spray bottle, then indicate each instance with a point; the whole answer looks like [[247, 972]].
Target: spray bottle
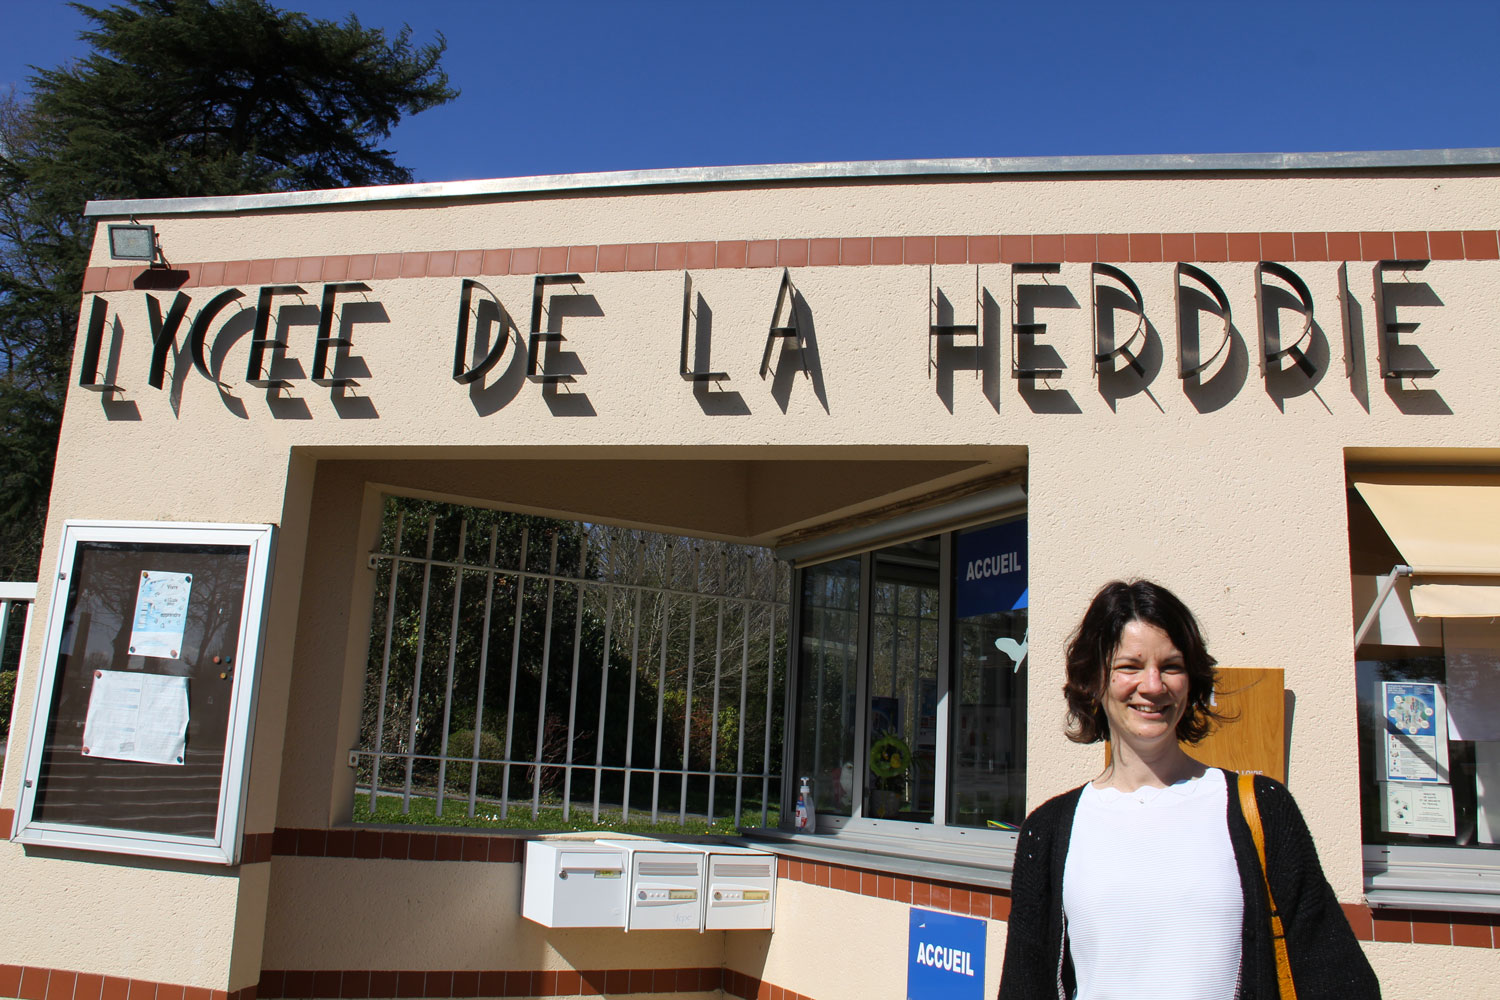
[[807, 817]]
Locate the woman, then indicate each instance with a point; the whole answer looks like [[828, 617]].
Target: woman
[[1145, 882]]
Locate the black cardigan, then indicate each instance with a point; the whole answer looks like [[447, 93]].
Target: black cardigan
[[1327, 961]]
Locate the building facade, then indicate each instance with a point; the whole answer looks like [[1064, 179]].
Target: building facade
[[946, 393]]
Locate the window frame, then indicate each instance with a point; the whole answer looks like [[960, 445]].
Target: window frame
[[882, 835], [1447, 877], [1450, 877]]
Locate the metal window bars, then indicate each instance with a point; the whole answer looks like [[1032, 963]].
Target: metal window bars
[[633, 596]]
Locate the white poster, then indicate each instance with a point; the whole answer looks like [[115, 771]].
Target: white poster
[[161, 607], [135, 716], [1487, 790], [1410, 808], [1414, 728]]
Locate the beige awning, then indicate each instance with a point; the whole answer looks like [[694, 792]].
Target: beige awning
[[1447, 527]]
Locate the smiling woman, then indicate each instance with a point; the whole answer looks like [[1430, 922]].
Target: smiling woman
[[1125, 625], [1146, 695], [1140, 676]]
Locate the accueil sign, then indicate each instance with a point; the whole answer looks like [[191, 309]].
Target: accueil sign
[[945, 956], [199, 330]]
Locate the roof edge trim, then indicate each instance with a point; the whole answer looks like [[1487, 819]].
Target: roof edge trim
[[784, 172]]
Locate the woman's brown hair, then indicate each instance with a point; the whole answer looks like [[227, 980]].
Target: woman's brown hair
[[1093, 644]]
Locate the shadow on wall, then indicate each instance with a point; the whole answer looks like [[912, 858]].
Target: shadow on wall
[[1290, 697]]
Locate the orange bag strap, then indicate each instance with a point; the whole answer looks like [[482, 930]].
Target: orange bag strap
[[1278, 935]]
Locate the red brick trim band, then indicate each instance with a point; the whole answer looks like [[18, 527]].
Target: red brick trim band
[[7, 823], [1468, 930], [395, 845], [1479, 244], [749, 988], [255, 849], [352, 984], [952, 897], [30, 982]]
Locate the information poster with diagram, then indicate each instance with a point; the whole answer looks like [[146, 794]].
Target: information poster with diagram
[[1414, 732], [161, 611]]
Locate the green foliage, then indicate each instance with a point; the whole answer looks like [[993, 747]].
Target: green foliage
[[550, 818], [193, 97], [7, 697], [703, 741], [177, 98], [491, 747]]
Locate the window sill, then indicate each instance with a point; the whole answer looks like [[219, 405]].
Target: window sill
[[930, 858], [1446, 887]]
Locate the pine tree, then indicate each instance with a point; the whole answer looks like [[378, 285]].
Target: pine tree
[[178, 98]]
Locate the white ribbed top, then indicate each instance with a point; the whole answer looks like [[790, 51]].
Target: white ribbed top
[[1152, 894]]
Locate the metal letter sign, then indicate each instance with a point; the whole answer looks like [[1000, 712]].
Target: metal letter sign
[[945, 957]]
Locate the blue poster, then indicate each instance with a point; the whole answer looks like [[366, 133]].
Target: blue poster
[[990, 566], [945, 957], [1416, 732]]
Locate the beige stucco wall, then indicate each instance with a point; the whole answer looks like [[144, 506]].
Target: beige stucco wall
[[340, 913], [835, 944], [1410, 971], [1233, 496], [1017, 204]]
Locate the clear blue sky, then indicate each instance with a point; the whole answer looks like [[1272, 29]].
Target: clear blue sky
[[554, 87]]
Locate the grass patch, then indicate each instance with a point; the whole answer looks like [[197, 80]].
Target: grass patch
[[423, 812]]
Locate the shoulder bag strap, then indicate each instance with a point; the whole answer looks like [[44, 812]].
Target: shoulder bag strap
[[1251, 812]]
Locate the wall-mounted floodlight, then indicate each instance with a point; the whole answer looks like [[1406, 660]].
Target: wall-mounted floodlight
[[132, 242]]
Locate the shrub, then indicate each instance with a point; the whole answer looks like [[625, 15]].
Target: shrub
[[460, 744], [7, 695]]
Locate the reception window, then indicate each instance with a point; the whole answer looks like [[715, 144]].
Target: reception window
[[910, 681], [1426, 584]]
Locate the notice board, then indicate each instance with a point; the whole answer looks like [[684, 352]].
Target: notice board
[[1254, 737], [140, 734]]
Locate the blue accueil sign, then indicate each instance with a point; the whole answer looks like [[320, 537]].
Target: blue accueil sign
[[990, 565], [945, 957]]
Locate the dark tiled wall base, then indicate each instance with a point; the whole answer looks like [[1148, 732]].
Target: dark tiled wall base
[[1481, 244], [395, 845], [292, 984], [30, 982]]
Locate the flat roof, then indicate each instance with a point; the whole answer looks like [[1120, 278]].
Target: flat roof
[[795, 172]]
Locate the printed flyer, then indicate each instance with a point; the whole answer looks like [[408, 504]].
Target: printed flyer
[[1415, 732], [1413, 808], [161, 607], [136, 716]]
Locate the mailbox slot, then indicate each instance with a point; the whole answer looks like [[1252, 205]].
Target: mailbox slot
[[741, 890], [574, 884], [666, 885]]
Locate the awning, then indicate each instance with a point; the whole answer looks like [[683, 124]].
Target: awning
[[1447, 527]]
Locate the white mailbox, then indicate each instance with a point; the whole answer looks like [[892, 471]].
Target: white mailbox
[[573, 883], [741, 889], [666, 885]]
